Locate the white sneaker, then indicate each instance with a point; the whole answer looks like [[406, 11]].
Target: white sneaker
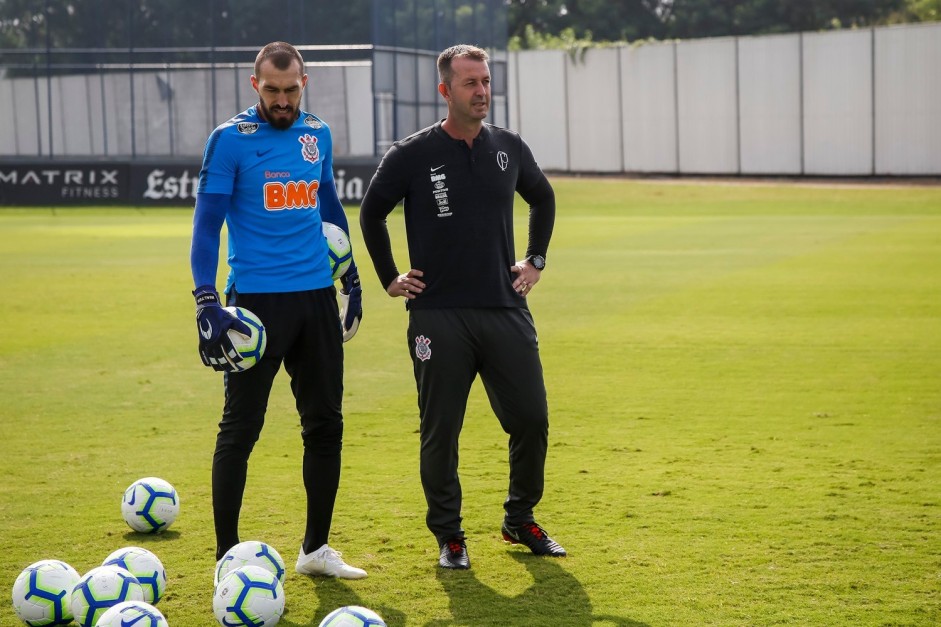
[[327, 562]]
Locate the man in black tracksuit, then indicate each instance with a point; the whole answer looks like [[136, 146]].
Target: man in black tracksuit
[[466, 294]]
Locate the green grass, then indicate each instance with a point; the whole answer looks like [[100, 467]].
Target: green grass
[[745, 399]]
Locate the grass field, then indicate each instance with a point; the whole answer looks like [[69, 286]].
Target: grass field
[[745, 399]]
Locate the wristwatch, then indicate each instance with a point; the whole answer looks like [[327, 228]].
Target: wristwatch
[[537, 261]]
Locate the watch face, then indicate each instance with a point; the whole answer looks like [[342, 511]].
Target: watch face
[[538, 261]]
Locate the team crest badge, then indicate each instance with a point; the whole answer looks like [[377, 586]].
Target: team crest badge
[[309, 147], [503, 160], [422, 348]]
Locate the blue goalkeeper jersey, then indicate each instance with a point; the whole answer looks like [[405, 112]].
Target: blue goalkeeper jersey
[[276, 241]]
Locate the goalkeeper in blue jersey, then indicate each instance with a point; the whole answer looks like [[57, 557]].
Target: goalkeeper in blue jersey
[[267, 173]]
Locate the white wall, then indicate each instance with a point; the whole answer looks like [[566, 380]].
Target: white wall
[[707, 106], [24, 102], [770, 104], [540, 86], [838, 95], [648, 108], [594, 111], [908, 100], [359, 106], [91, 115], [850, 102]]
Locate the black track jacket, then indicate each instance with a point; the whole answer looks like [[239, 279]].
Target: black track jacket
[[458, 214]]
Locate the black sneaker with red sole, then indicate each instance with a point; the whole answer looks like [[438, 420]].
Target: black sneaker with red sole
[[533, 536], [454, 554]]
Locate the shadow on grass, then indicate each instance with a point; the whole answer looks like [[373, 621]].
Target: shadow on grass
[[140, 539], [333, 593], [555, 598]]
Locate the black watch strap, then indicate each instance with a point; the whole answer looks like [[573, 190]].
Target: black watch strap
[[537, 261]]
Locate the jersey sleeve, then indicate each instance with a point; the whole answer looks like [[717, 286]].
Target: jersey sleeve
[[208, 217], [220, 165], [392, 177], [535, 189], [387, 187]]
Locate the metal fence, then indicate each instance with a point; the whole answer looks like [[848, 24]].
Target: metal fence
[[408, 36], [138, 80], [141, 110]]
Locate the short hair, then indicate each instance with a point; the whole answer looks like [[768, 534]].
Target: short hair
[[281, 54], [461, 50]]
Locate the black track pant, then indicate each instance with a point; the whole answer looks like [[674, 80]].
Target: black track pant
[[304, 333], [449, 347]]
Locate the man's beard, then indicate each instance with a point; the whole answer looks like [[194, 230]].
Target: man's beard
[[280, 123]]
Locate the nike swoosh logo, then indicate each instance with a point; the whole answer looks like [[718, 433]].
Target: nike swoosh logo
[[133, 497], [144, 614], [262, 153], [207, 332], [436, 169]]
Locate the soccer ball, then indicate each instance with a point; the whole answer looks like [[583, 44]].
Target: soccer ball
[[150, 505], [136, 613], [101, 588], [249, 596], [338, 249], [251, 552], [42, 593], [352, 616], [250, 347], [144, 565]]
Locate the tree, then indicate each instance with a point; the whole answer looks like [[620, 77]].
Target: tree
[[167, 23], [712, 18], [537, 22], [600, 20], [147, 31], [920, 11]]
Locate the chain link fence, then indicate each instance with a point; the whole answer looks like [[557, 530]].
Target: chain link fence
[[139, 79]]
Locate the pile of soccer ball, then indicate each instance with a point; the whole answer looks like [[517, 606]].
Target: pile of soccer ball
[[126, 587]]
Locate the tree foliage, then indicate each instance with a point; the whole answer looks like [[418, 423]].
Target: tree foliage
[[122, 25], [698, 18], [168, 23], [557, 23], [86, 34]]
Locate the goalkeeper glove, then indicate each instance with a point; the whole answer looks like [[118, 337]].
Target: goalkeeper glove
[[351, 303], [213, 324]]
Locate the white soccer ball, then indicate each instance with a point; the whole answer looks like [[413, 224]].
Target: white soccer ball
[[339, 249], [150, 505], [352, 616], [250, 347], [249, 596], [101, 588], [250, 552], [136, 613], [42, 593], [144, 565]]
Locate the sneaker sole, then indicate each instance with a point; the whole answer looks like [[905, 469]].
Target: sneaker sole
[[453, 567], [335, 576], [326, 574], [511, 540]]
